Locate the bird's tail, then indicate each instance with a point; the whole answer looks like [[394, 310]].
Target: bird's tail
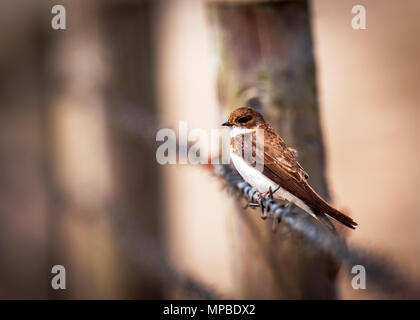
[[321, 208], [323, 218], [337, 215]]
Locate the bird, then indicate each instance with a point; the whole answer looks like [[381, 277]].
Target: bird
[[274, 166]]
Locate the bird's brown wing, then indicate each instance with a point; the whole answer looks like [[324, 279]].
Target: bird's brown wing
[[276, 157], [283, 169]]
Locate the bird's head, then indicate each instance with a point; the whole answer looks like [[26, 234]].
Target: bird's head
[[244, 118]]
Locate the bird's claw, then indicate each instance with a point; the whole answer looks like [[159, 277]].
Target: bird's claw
[[262, 207], [261, 198], [270, 193], [258, 203]]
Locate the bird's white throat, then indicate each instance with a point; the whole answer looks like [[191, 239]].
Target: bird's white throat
[[239, 130]]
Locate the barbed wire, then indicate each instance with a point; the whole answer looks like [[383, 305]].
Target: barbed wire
[[383, 274]]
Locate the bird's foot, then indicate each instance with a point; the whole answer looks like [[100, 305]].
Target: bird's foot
[[261, 198], [259, 202], [262, 209], [270, 193]]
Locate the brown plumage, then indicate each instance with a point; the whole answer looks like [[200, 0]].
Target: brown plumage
[[279, 163]]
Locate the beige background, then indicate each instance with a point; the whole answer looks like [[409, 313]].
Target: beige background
[[62, 164]]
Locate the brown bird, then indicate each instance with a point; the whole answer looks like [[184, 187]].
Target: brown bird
[[273, 166]]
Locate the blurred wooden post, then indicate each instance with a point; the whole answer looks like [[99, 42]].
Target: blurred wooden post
[[265, 61], [25, 205], [127, 29], [105, 62]]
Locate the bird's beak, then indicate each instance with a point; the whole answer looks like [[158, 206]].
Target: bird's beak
[[227, 124]]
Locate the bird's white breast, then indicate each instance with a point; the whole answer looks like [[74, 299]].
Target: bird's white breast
[[252, 175]]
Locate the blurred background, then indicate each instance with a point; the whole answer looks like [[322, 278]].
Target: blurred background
[[79, 110]]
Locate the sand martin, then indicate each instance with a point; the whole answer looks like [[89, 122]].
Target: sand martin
[[277, 166]]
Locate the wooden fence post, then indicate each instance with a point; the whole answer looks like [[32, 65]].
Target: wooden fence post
[[265, 60]]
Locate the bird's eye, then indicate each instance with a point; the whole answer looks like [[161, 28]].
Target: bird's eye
[[244, 119]]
